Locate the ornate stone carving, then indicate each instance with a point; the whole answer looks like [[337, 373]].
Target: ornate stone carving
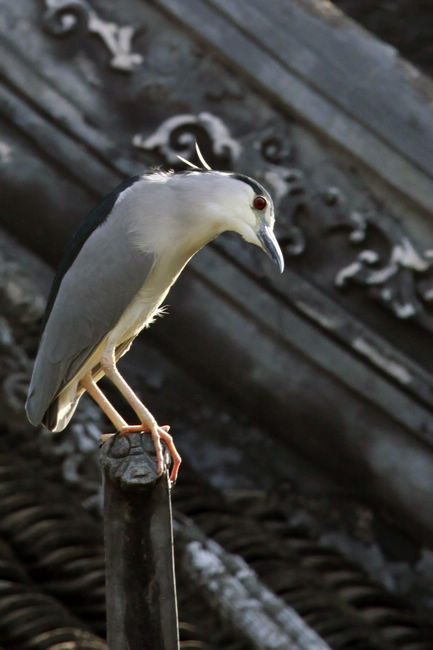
[[130, 460], [288, 184], [396, 273], [178, 134], [63, 16]]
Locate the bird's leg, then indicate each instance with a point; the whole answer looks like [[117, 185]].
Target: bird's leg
[[148, 422], [94, 391]]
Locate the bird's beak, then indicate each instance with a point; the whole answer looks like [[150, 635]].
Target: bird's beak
[[270, 245]]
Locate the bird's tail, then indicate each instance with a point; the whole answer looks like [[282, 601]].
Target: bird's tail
[[58, 413], [61, 410]]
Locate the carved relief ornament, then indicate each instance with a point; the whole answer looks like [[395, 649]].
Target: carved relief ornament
[[64, 16]]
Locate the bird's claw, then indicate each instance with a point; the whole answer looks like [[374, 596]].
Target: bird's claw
[[158, 433]]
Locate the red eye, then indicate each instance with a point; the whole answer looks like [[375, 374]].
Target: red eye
[[260, 203]]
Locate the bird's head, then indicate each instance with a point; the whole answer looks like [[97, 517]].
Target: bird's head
[[221, 201]]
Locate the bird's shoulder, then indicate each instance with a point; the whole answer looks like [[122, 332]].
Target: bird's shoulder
[[91, 221]]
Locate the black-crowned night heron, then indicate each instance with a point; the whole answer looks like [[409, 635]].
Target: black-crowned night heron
[[116, 273]]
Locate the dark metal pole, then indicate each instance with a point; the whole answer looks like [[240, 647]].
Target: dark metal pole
[[140, 581]]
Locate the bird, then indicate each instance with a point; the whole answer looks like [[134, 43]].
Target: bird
[[116, 273]]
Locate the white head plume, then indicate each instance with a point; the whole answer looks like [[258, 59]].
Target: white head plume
[[200, 157]]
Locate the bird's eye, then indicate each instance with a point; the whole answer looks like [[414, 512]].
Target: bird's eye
[[260, 203]]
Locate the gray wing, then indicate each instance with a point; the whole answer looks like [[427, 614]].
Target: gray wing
[[93, 294]]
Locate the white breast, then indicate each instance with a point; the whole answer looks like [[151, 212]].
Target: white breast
[[147, 303], [139, 314]]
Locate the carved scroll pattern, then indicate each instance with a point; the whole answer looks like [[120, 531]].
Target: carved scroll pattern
[[399, 278], [177, 136], [397, 273], [64, 16]]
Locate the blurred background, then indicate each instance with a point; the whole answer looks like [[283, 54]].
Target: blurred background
[[302, 403]]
